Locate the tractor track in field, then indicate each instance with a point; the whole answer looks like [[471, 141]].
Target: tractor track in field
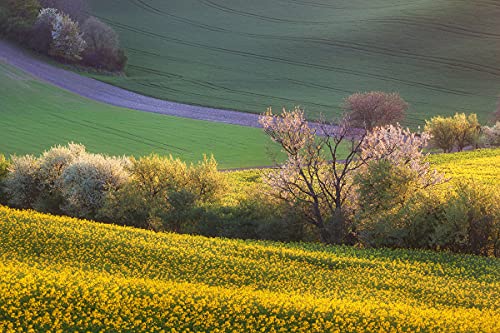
[[274, 59], [109, 94], [357, 47]]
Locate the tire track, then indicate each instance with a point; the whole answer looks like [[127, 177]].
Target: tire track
[[220, 87], [365, 48], [414, 120], [303, 64], [233, 11], [438, 26]]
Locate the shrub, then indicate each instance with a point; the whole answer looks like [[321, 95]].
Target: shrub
[[22, 184], [374, 109], [103, 47], [167, 190], [4, 171], [41, 35], [491, 135], [53, 164], [395, 173], [458, 131], [17, 17], [86, 183], [67, 41], [471, 221]]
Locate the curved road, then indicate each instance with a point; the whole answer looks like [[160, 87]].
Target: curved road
[[106, 93]]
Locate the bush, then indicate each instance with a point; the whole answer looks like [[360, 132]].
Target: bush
[[388, 195], [22, 184], [52, 164], [491, 135], [86, 183], [67, 41], [167, 190], [448, 133], [374, 109], [396, 173], [41, 36], [4, 171], [17, 17], [103, 47], [471, 222]]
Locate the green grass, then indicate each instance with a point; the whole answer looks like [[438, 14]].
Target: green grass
[[35, 116], [441, 55], [69, 275]]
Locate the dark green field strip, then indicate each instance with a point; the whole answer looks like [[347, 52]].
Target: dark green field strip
[[250, 55]]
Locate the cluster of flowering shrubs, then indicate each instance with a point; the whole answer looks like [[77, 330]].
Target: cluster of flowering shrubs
[[63, 30], [69, 180], [63, 274]]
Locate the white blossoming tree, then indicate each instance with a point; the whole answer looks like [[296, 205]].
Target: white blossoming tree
[[67, 40]]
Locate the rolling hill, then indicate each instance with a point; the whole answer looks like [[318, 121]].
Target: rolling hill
[[441, 55], [75, 275]]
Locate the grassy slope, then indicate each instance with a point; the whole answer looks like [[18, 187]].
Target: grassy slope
[[441, 55], [68, 274], [35, 116]]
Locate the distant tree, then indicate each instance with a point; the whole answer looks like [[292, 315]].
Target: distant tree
[[17, 17], [103, 46], [374, 109], [67, 41], [458, 131], [76, 9], [41, 33]]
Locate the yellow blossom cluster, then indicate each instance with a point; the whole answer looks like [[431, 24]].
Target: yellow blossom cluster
[[60, 274]]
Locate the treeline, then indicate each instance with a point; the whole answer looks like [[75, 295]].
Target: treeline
[[386, 203], [64, 30]]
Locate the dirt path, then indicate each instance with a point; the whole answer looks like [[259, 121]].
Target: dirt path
[[106, 93]]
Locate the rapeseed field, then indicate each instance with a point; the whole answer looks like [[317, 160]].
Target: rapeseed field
[[60, 274]]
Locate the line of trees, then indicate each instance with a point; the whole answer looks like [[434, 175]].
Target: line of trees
[[64, 30]]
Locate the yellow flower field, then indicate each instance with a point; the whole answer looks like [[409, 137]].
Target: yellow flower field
[[66, 275], [479, 165]]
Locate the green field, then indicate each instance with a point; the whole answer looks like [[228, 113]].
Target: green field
[[441, 55], [80, 276], [35, 116]]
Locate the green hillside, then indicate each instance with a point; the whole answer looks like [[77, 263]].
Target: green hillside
[[441, 55], [75, 275], [35, 116]]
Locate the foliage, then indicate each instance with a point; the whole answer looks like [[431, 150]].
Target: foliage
[[67, 41], [122, 279], [86, 182], [103, 47], [17, 17], [448, 133], [491, 135], [4, 170], [396, 173], [167, 190], [375, 109], [471, 222], [311, 181], [22, 182]]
